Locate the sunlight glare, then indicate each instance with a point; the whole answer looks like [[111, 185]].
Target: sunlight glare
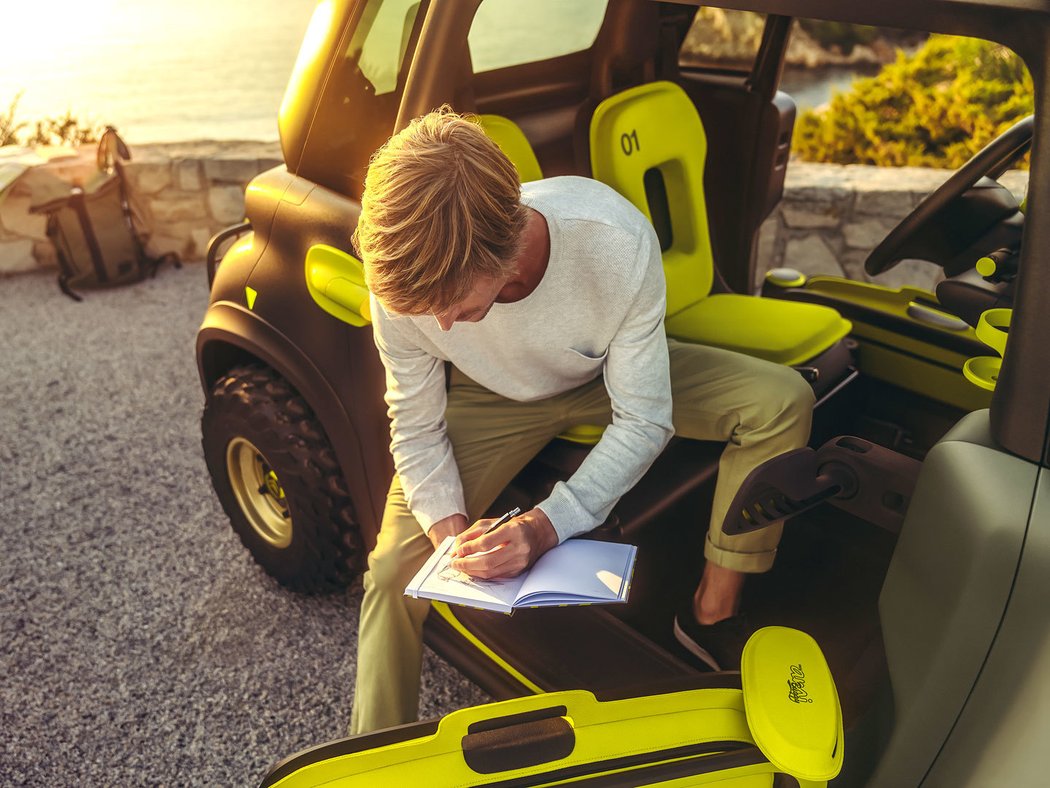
[[309, 51], [32, 31]]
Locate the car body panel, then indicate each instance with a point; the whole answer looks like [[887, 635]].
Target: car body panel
[[1005, 720], [947, 588], [314, 62], [232, 334]]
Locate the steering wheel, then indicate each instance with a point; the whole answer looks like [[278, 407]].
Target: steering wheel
[[992, 160]]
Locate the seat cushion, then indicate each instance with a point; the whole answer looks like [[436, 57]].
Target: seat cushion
[[587, 434], [785, 332]]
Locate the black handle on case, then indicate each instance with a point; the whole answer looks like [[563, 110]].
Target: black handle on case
[[518, 741]]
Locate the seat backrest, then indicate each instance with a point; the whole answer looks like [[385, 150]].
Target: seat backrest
[[649, 144], [512, 141]]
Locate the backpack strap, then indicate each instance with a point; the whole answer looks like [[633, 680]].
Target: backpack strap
[[156, 262], [76, 202], [148, 264], [63, 285], [54, 231]]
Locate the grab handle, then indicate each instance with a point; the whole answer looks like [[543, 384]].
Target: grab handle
[[214, 258], [519, 741], [336, 282]]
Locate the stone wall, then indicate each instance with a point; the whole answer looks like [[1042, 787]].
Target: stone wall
[[187, 192], [830, 218]]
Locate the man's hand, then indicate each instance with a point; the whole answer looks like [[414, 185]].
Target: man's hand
[[448, 526], [506, 552]]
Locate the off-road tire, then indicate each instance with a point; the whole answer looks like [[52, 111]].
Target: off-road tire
[[257, 404]]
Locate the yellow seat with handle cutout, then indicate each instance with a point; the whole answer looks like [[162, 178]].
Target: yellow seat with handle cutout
[[652, 134]]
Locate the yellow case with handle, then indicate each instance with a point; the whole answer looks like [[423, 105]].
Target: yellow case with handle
[[782, 716]]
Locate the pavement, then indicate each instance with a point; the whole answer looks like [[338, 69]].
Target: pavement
[[139, 642]]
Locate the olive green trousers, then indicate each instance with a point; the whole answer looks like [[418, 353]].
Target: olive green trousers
[[759, 408]]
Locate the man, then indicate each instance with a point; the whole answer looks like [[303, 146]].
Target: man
[[548, 299]]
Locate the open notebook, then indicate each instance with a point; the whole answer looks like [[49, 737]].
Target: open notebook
[[576, 572]]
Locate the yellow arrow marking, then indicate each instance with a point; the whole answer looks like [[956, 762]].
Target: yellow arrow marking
[[250, 294]]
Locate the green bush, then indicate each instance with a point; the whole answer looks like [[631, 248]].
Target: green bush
[[8, 128], [839, 34], [66, 130], [935, 108]]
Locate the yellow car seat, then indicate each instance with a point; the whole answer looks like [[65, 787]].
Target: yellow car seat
[[649, 140]]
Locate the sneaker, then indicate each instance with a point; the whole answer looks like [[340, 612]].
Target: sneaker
[[717, 645]]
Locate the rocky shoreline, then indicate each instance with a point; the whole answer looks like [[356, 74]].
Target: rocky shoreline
[[732, 37]]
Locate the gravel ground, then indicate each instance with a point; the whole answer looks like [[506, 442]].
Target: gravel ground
[[139, 643]]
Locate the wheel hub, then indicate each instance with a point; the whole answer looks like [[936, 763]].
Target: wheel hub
[[259, 492]]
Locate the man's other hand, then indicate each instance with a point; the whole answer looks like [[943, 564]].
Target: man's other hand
[[506, 552], [452, 525]]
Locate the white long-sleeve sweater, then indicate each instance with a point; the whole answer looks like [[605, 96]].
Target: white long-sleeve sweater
[[598, 308]]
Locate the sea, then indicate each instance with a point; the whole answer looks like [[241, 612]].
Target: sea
[[175, 70], [157, 70]]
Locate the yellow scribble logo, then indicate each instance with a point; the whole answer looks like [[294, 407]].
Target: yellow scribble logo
[[797, 685]]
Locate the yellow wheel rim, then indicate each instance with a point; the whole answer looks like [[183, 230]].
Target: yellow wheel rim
[[259, 492]]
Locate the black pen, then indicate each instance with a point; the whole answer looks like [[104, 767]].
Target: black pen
[[504, 519]]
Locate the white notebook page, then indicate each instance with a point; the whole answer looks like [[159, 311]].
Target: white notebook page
[[582, 568]]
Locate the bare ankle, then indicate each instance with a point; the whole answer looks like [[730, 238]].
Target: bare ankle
[[712, 614], [718, 596]]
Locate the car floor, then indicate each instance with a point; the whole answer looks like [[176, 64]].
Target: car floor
[[826, 581]]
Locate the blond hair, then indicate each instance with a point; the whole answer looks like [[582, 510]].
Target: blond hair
[[441, 207]]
